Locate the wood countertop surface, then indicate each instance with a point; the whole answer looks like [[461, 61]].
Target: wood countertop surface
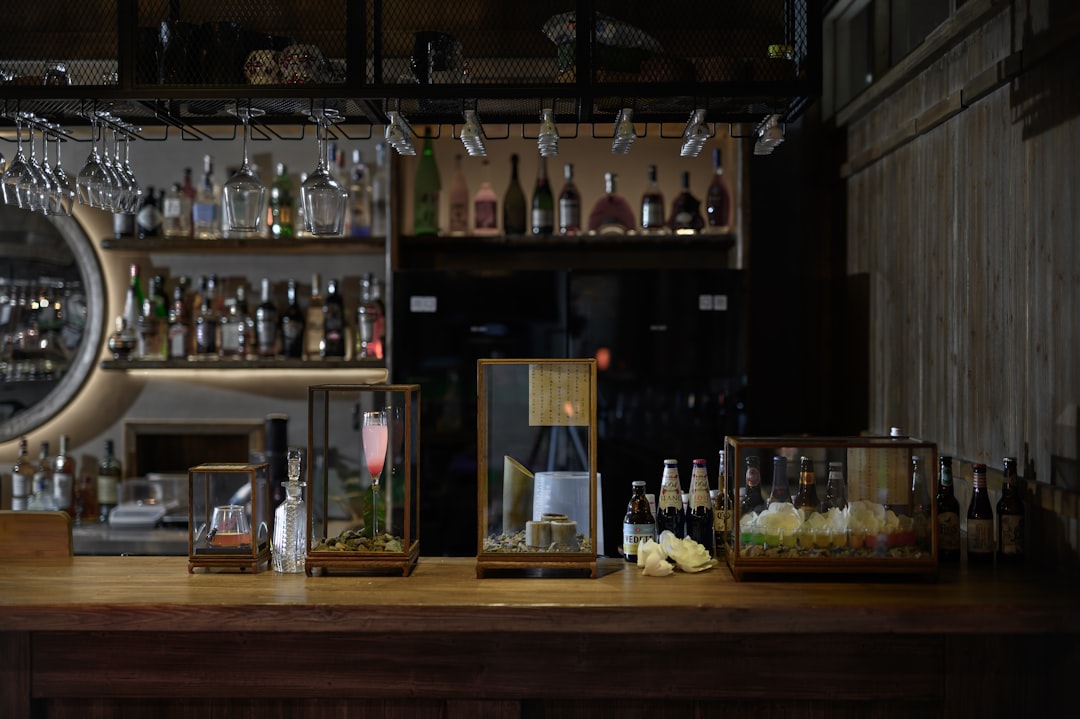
[[443, 595]]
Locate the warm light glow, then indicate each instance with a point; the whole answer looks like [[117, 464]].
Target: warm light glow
[[568, 409], [603, 358]]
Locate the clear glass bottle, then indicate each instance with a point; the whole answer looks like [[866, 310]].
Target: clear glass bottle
[[1011, 523], [459, 201], [699, 515], [426, 187], [109, 475], [359, 198], [333, 317], [367, 320], [569, 203], [514, 202], [313, 320], [43, 497], [611, 214], [780, 491], [670, 514], [179, 323], [543, 202], [379, 192], [718, 198], [282, 205], [236, 328], [485, 207], [292, 325], [948, 513], [63, 478], [652, 205], [290, 521], [686, 210], [266, 322], [22, 477], [980, 518], [806, 497], [638, 524], [206, 210], [176, 218]]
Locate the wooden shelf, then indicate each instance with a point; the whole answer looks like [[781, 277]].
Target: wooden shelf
[[266, 245], [242, 364]]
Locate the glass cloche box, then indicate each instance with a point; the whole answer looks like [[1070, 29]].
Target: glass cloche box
[[229, 516], [537, 478], [832, 505], [363, 473]]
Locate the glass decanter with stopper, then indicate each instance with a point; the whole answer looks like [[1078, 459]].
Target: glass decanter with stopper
[[290, 521]]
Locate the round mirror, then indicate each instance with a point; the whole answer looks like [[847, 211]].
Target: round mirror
[[52, 302]]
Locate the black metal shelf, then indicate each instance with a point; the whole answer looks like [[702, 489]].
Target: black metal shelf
[[264, 245], [241, 364]]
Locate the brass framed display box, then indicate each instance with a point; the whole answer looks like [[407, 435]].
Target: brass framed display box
[[536, 446], [363, 474], [832, 505], [229, 516]]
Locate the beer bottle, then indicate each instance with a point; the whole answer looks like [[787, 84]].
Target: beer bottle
[[638, 525], [722, 502], [948, 514], [751, 500], [670, 514], [835, 488], [699, 518], [980, 516], [1010, 516], [780, 492], [920, 503], [806, 499]]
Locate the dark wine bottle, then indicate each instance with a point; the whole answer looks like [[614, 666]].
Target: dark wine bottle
[[333, 343], [292, 326], [543, 203], [514, 203], [780, 491], [948, 514], [652, 205], [569, 204], [686, 210]]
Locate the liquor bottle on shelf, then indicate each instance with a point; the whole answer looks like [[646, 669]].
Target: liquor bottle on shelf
[[835, 488], [380, 320], [379, 192], [282, 205], [485, 207], [459, 201], [751, 500], [133, 303], [718, 198], [63, 478], [86, 501], [1011, 524], [980, 518], [514, 203], [367, 321], [206, 321], [948, 513], [543, 203], [426, 188], [43, 497], [638, 524], [300, 228], [359, 198], [22, 477], [148, 220], [292, 325], [611, 214], [569, 203], [179, 335], [188, 194], [109, 475], [206, 211], [153, 320], [921, 510], [670, 514], [333, 342], [699, 515], [231, 328], [313, 320], [806, 498], [175, 214], [123, 225], [652, 205], [780, 491], [686, 216], [266, 322]]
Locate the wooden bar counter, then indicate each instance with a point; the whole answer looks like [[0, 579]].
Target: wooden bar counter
[[140, 637]]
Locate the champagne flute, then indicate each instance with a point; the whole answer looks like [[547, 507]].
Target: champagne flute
[[374, 434], [244, 195]]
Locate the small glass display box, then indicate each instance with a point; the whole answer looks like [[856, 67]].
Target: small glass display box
[[537, 466], [229, 516], [821, 505], [363, 478]]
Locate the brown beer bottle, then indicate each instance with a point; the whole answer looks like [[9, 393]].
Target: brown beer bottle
[[639, 524], [1010, 516], [806, 498], [980, 516], [948, 514]]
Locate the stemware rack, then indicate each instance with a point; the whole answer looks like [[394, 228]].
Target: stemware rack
[[181, 63]]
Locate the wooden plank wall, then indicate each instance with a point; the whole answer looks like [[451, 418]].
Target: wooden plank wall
[[964, 211]]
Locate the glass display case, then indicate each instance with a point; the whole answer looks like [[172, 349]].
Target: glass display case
[[536, 446], [363, 478], [843, 505], [229, 516]]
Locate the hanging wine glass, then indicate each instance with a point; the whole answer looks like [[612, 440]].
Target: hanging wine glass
[[108, 183], [33, 187], [324, 198], [16, 169], [374, 433], [84, 178], [132, 193], [64, 191], [244, 195]]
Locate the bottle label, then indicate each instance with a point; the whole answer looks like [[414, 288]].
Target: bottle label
[[980, 536], [652, 214], [63, 484], [485, 215], [107, 489], [635, 534], [178, 335], [569, 213], [670, 498], [204, 213], [171, 207], [1012, 534], [20, 487], [542, 218], [949, 531]]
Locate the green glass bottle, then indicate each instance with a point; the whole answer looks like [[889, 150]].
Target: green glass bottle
[[426, 191]]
